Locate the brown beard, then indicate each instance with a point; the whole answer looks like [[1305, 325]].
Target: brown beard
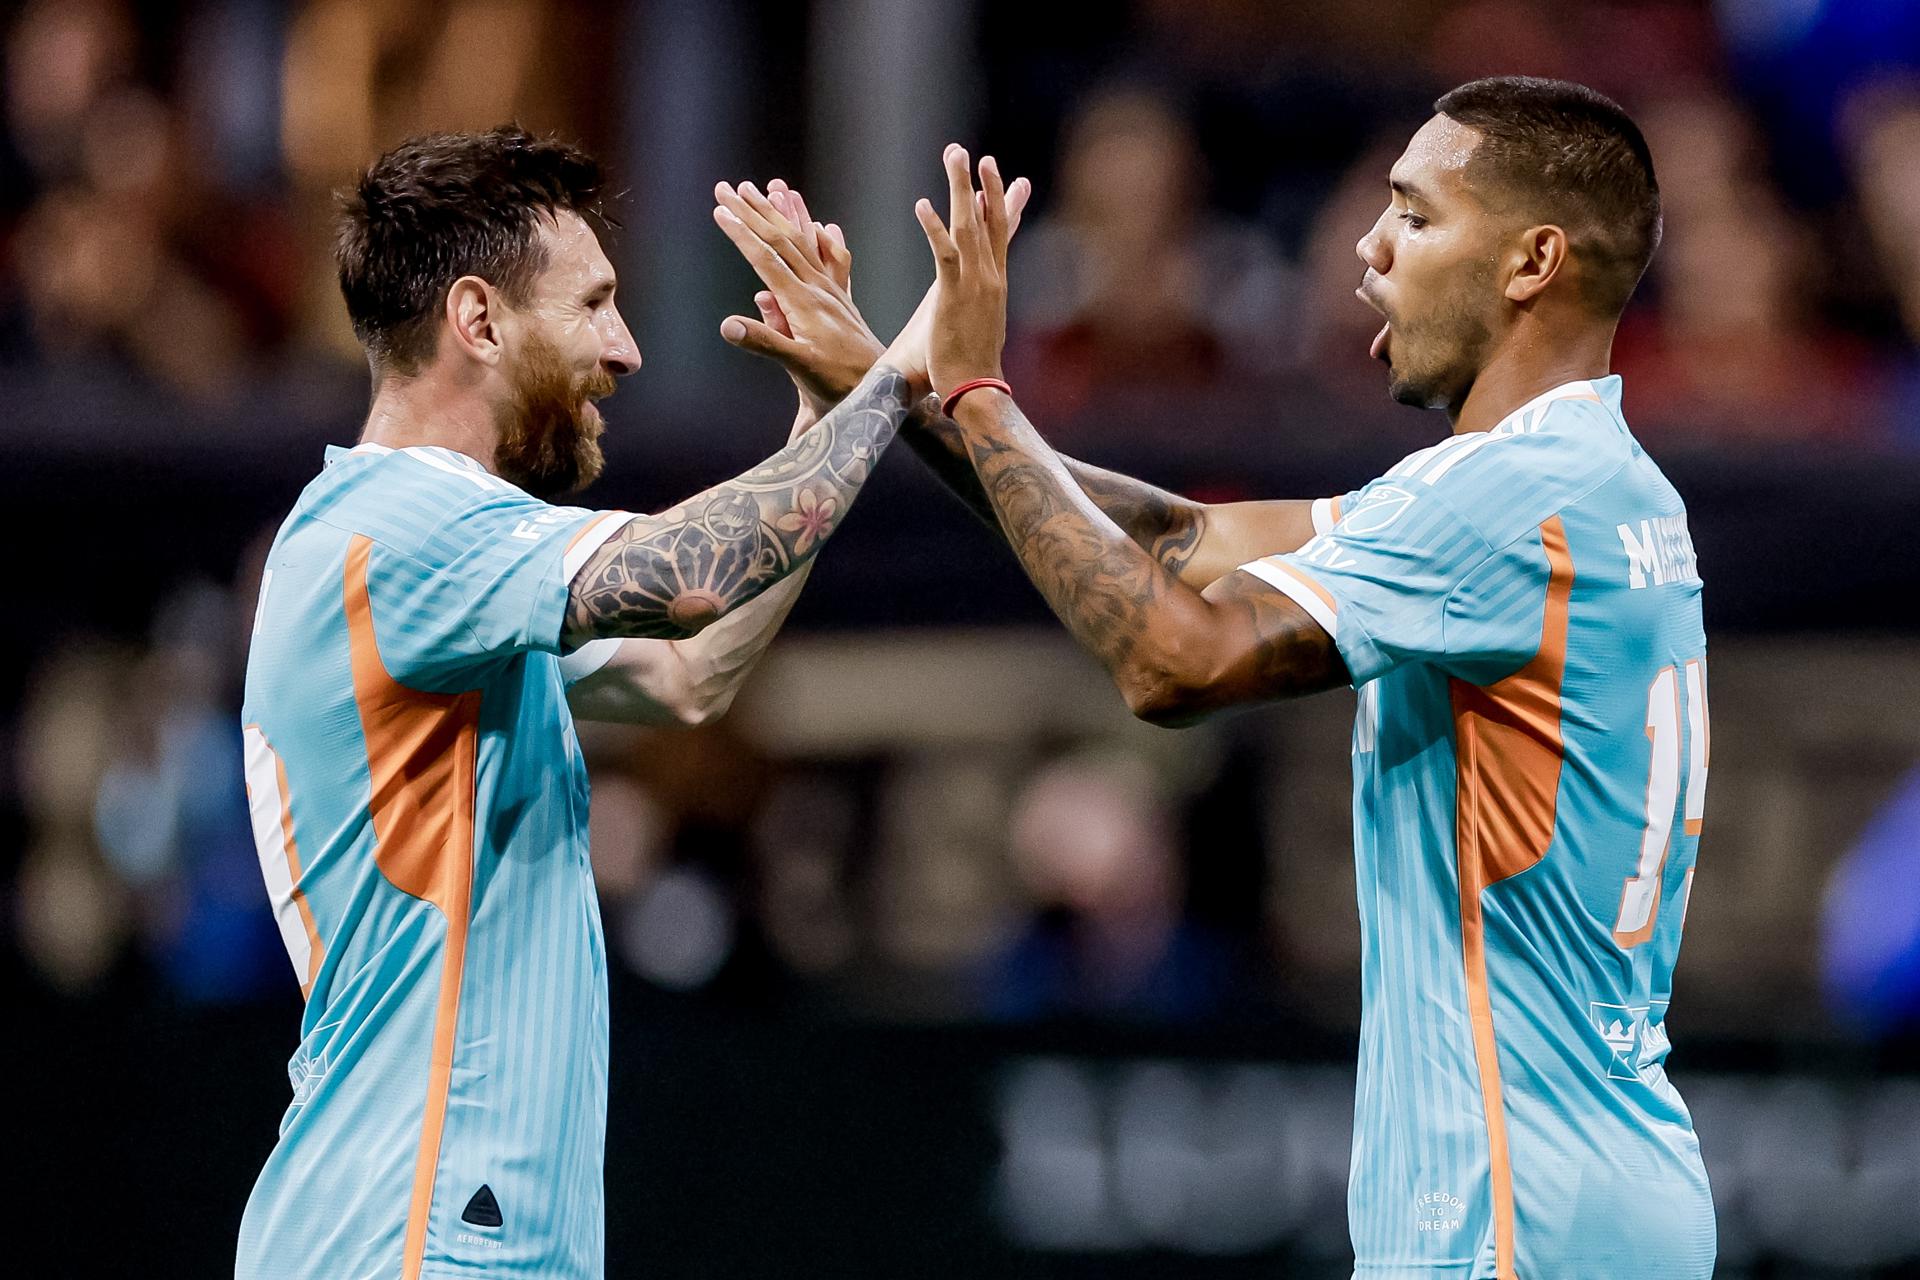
[[1436, 358], [549, 437]]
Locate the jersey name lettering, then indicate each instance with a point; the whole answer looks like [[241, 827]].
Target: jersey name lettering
[[1659, 550]]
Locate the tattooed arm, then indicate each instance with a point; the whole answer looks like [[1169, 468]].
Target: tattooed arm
[[807, 265], [1176, 653], [673, 574], [1196, 541], [679, 682]]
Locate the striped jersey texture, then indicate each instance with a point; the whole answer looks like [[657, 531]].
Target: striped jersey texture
[[1520, 612], [420, 808]]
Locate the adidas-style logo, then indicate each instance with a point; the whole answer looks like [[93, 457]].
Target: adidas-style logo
[[483, 1210]]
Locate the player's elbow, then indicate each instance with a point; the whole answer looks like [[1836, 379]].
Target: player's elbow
[[1161, 690], [703, 707]]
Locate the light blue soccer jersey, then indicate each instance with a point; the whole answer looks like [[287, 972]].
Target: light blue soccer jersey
[[1520, 610], [420, 808]]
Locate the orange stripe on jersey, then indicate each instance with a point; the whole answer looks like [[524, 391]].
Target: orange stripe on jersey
[[1305, 581], [1508, 751], [589, 526], [1333, 508], [422, 753]]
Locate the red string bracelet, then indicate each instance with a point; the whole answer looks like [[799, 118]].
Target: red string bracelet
[[953, 396]]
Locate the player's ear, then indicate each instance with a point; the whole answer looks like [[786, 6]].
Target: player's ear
[[473, 315], [1541, 255]]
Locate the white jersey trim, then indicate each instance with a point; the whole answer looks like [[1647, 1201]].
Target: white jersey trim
[[587, 659], [592, 539], [1295, 590]]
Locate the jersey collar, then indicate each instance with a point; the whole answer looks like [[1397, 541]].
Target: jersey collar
[[336, 452], [1605, 391]]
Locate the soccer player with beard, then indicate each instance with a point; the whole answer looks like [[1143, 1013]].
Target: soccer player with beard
[[1519, 607], [429, 625]]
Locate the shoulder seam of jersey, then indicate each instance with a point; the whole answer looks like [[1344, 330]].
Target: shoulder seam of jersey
[[465, 620], [1572, 498], [1446, 605]]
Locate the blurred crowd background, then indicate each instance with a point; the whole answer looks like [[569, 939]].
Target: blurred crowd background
[[929, 960]]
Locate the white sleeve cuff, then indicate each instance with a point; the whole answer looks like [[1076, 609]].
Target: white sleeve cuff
[[587, 659], [590, 539], [1298, 588], [1324, 516]]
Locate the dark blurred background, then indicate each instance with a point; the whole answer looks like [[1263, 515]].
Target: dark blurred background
[[929, 961]]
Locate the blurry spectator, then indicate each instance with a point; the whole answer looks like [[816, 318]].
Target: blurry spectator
[[1883, 143], [1871, 943], [670, 827], [1333, 331], [360, 75], [125, 252], [170, 814], [1733, 342], [143, 849], [1094, 844], [1131, 281], [173, 204], [73, 914]]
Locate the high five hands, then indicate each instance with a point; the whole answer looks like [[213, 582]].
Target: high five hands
[[807, 318], [808, 321], [969, 323]]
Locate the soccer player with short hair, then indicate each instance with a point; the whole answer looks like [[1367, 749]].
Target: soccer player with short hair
[[429, 625], [1519, 607]]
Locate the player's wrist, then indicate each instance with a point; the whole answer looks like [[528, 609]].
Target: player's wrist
[[976, 387]]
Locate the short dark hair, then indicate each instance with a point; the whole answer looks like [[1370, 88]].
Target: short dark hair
[[443, 206], [1576, 157]]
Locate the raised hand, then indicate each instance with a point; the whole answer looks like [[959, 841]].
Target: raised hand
[[968, 314], [808, 321], [790, 251]]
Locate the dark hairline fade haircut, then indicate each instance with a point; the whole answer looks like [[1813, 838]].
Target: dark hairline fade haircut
[[1555, 151], [443, 206]]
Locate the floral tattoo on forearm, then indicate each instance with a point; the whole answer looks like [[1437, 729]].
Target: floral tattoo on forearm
[[672, 574]]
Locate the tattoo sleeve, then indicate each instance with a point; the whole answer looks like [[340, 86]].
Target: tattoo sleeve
[[1174, 652], [670, 575], [1165, 525]]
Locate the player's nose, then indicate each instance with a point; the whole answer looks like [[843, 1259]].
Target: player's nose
[[1372, 250], [620, 354]]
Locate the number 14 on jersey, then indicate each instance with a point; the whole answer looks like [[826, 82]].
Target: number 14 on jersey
[[1640, 900]]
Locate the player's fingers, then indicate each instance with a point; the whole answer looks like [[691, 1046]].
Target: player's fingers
[[838, 261], [994, 208], [759, 337], [781, 199], [945, 256], [812, 236], [757, 201], [1017, 196], [768, 265], [770, 311], [765, 223], [800, 215], [960, 213]]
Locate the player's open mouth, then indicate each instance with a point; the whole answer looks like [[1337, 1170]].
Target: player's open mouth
[[1379, 346]]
